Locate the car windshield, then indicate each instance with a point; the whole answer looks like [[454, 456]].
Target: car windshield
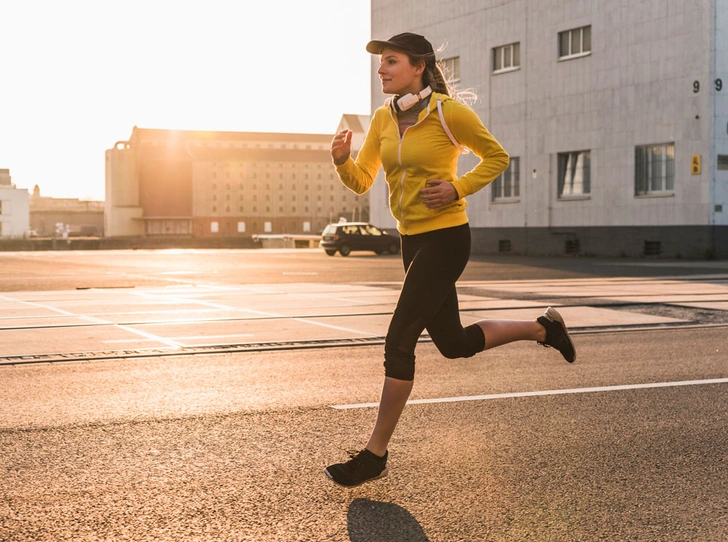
[[328, 230]]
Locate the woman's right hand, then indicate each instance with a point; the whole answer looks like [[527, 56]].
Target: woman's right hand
[[341, 147]]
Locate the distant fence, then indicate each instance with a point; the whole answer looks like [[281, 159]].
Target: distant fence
[[287, 241]]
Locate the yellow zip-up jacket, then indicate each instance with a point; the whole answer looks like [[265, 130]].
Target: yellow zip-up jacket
[[425, 152]]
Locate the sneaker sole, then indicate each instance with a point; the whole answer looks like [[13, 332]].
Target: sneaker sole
[[380, 475], [554, 316]]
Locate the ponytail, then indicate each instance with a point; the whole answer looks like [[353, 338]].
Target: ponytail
[[435, 78]]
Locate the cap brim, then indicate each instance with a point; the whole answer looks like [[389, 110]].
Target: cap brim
[[376, 47]]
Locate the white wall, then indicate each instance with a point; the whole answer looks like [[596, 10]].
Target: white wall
[[720, 124], [15, 216]]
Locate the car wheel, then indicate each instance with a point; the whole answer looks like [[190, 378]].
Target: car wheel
[[330, 252], [345, 250], [393, 248]]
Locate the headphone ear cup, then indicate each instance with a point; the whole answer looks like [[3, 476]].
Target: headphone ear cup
[[407, 101]]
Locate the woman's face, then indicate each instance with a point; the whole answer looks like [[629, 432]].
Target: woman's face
[[398, 76]]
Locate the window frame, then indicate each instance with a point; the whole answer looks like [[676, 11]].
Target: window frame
[[512, 176], [644, 187], [515, 56], [445, 66], [582, 52], [562, 169]]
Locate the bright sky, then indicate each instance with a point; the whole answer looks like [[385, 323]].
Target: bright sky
[[77, 75]]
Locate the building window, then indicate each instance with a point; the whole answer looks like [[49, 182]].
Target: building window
[[214, 227], [723, 162], [574, 43], [574, 173], [267, 227], [451, 69], [654, 169], [507, 57], [507, 185], [241, 227]]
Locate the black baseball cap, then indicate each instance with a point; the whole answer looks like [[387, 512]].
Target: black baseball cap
[[406, 42]]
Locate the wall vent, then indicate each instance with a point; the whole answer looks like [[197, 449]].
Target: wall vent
[[652, 248], [504, 245], [572, 246]]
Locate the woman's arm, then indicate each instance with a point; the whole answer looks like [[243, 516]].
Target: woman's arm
[[358, 175], [470, 132]]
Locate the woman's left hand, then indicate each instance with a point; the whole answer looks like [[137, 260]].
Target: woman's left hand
[[438, 193]]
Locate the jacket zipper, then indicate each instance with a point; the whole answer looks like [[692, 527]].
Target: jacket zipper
[[399, 160]]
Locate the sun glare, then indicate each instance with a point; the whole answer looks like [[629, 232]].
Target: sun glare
[[86, 72]]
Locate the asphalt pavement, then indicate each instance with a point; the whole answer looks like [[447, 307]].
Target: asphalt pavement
[[198, 395]]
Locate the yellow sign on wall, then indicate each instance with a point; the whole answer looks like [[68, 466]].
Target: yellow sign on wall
[[696, 164]]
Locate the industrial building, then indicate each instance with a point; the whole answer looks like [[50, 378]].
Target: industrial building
[[65, 217], [206, 184], [614, 112]]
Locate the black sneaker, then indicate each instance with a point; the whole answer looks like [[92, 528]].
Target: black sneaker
[[362, 467], [556, 334]]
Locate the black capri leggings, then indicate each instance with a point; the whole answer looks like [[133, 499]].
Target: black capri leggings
[[433, 262]]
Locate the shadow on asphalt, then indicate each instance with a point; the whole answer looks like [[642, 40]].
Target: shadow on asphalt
[[374, 521]]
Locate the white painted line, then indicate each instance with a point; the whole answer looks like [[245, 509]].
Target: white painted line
[[183, 338], [157, 338], [59, 311], [186, 300], [544, 392], [337, 328]]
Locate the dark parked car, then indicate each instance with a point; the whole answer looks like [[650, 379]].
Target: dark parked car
[[347, 236]]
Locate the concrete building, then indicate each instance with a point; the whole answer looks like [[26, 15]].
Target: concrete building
[[65, 216], [199, 183], [14, 214], [615, 114]]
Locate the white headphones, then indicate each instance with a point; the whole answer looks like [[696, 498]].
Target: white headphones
[[408, 100]]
